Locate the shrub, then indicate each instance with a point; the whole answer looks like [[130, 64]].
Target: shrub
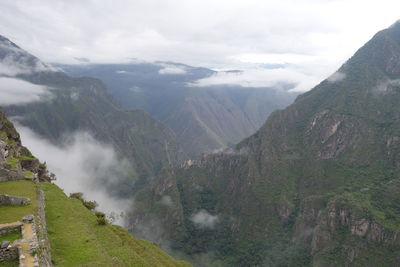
[[99, 214], [77, 195], [90, 205], [101, 221]]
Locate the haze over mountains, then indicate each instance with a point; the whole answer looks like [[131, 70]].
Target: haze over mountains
[[204, 117]]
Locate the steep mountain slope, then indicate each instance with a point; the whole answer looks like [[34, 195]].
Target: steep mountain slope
[[82, 104], [75, 236], [203, 118], [317, 185]]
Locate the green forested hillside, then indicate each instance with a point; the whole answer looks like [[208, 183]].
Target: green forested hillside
[[317, 185]]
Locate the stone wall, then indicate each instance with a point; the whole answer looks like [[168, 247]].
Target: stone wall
[[7, 252], [10, 228], [44, 244], [3, 151], [9, 175], [13, 200]]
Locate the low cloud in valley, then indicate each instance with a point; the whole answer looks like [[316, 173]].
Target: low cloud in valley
[[82, 164], [14, 91], [203, 219]]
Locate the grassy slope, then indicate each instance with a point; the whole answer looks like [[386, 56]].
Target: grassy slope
[[27, 189], [77, 240], [9, 264]]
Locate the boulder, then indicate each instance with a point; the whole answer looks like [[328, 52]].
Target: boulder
[[28, 218], [4, 244]]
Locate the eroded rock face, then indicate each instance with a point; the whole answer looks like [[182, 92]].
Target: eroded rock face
[[332, 133], [393, 150]]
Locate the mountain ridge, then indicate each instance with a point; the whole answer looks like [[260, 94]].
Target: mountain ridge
[[304, 189]]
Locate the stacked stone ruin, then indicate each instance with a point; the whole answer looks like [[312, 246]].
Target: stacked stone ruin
[[25, 249]]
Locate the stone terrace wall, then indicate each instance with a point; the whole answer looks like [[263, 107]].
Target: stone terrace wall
[[44, 244], [10, 228], [13, 200], [9, 175], [8, 253]]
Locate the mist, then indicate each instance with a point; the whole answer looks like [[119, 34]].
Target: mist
[[172, 70], [203, 219], [261, 77], [82, 164], [14, 92]]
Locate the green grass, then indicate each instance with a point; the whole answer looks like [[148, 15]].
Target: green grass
[[27, 189], [28, 174], [77, 240], [9, 264], [11, 237], [13, 162]]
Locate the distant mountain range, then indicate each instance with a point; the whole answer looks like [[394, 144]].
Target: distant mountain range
[[204, 119]]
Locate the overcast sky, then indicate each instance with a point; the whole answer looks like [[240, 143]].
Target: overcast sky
[[309, 37]]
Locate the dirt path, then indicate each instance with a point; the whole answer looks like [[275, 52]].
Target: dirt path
[[26, 258]]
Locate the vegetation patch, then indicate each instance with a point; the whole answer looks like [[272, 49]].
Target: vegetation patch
[[13, 162], [29, 174], [77, 239], [9, 264], [11, 237], [18, 188]]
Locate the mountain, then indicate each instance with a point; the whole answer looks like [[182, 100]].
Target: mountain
[[41, 226], [69, 104], [203, 118], [317, 185]]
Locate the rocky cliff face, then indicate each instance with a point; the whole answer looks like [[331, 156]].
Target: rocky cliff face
[[16, 161], [316, 185]]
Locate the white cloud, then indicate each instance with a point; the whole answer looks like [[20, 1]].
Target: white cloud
[[121, 72], [337, 77], [81, 164], [172, 69], [203, 219], [215, 34], [261, 78], [14, 91], [167, 201]]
